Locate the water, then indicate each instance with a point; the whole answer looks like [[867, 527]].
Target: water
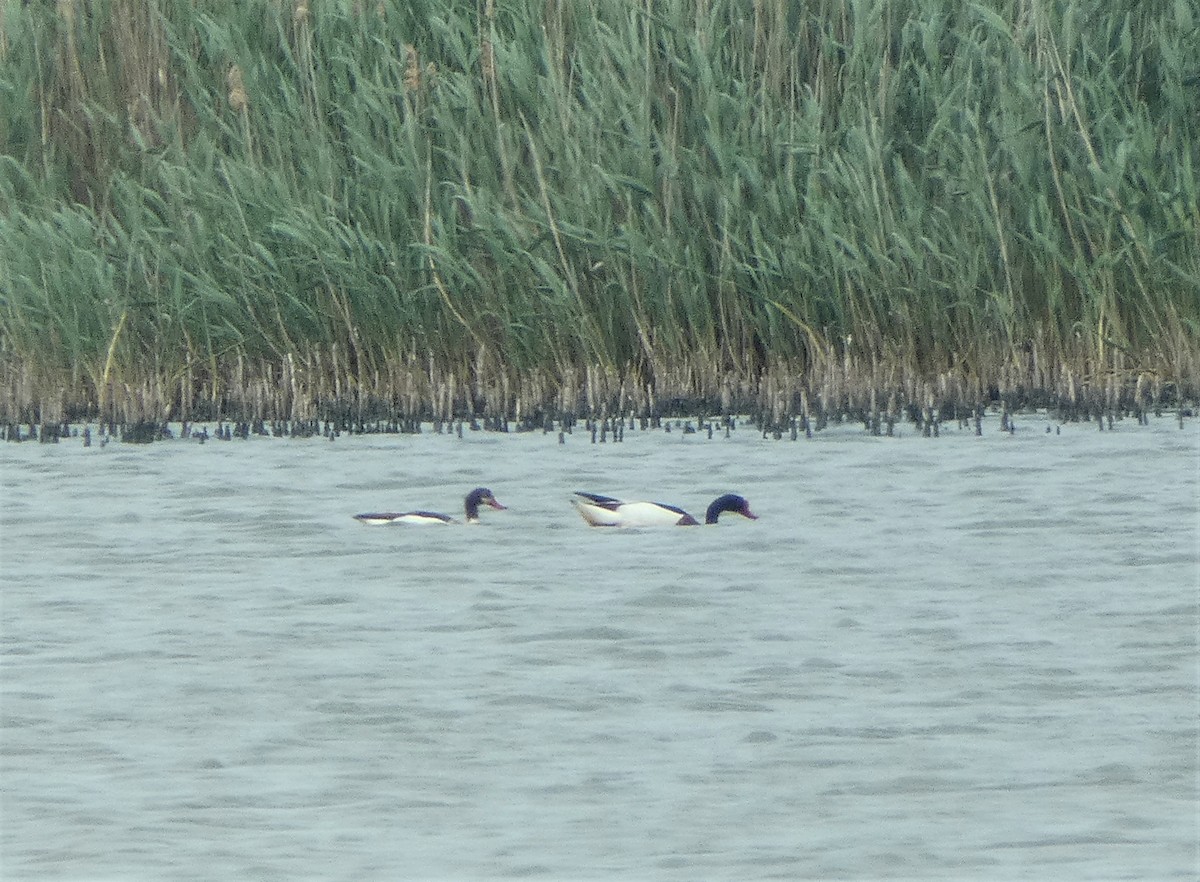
[[949, 658]]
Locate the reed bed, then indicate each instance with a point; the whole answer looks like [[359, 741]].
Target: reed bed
[[530, 211]]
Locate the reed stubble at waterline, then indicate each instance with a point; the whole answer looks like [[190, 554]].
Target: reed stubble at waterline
[[930, 424], [364, 211]]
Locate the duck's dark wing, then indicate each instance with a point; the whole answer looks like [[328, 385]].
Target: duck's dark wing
[[603, 501], [381, 517], [678, 510]]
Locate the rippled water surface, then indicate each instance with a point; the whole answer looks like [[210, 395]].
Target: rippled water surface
[[964, 657]]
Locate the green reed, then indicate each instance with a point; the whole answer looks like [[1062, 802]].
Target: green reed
[[378, 198]]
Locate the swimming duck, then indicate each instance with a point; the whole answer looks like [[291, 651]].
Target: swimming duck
[[604, 511], [477, 497]]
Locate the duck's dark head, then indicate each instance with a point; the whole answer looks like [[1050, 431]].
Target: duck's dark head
[[477, 497], [729, 502]]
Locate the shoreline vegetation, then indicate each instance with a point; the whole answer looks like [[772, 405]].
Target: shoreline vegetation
[[382, 213]]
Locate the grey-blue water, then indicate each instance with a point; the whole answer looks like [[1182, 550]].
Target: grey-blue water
[[956, 658]]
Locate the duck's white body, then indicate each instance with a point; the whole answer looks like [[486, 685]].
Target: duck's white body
[[408, 517], [603, 511]]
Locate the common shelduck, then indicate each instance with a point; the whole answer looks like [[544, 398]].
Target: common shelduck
[[604, 511], [477, 497]]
